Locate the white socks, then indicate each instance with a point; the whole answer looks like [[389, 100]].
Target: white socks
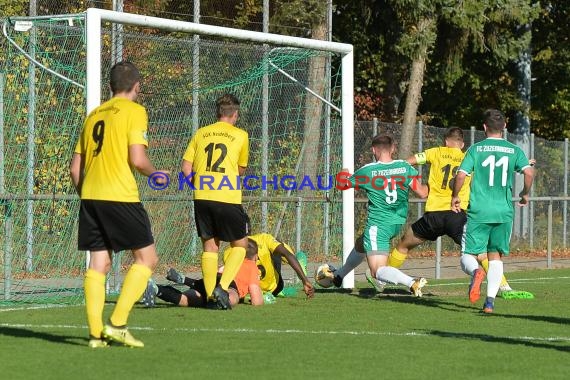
[[469, 264], [494, 277], [352, 261], [394, 276]]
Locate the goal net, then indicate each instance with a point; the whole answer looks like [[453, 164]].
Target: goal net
[[296, 104]]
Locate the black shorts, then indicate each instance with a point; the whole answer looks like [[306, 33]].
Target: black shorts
[[226, 221], [109, 225], [200, 288], [434, 224]]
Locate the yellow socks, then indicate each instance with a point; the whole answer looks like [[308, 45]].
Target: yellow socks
[[209, 271], [231, 266], [485, 265], [133, 287], [94, 288], [396, 258]]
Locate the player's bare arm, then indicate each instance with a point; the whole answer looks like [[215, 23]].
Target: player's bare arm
[[76, 171], [420, 189], [528, 179], [412, 160], [140, 161], [282, 251], [459, 181], [186, 167]]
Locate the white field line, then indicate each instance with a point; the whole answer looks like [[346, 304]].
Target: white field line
[[36, 307], [272, 331], [536, 280]]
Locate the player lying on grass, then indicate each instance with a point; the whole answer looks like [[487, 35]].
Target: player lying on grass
[[387, 183], [271, 254], [246, 282]]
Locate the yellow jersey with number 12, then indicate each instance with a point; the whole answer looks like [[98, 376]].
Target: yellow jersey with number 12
[[444, 163], [104, 144], [216, 151]]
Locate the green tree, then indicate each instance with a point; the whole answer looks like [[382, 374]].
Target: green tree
[[551, 72], [13, 8]]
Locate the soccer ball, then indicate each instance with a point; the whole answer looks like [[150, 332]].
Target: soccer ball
[[324, 276]]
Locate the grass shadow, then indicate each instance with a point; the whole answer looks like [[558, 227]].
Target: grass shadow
[[401, 295], [529, 342], [20, 332]]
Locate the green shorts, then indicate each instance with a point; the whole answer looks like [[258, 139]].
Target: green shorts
[[487, 237], [377, 238]]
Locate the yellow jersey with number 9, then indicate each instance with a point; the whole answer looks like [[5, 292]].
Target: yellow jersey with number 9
[[444, 163], [216, 151], [104, 144]]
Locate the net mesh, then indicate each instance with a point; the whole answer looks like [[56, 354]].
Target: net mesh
[[39, 207]]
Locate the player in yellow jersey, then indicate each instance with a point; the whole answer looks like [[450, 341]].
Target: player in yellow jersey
[[439, 219], [111, 216], [271, 253], [215, 158]]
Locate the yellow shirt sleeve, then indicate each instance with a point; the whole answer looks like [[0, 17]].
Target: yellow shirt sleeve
[[244, 154], [425, 157], [421, 158], [138, 132], [431, 155], [78, 147], [190, 150], [269, 241]]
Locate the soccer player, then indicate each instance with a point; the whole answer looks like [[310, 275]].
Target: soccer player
[[245, 282], [490, 212], [439, 219], [270, 254], [215, 158], [111, 216], [387, 183]]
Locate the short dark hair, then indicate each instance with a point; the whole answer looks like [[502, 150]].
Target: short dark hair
[[494, 120], [226, 105], [383, 142], [251, 249], [454, 133], [123, 77]]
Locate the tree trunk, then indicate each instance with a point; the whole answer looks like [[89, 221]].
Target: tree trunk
[[414, 94], [314, 109], [313, 143], [393, 95]]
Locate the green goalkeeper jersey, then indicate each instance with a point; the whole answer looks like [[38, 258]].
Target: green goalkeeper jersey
[[492, 164], [386, 186]]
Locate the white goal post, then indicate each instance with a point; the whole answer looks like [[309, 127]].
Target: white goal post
[[94, 20]]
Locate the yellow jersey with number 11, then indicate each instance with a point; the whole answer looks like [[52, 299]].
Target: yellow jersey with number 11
[[444, 163]]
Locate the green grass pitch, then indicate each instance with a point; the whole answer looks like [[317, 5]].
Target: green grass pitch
[[337, 335]]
